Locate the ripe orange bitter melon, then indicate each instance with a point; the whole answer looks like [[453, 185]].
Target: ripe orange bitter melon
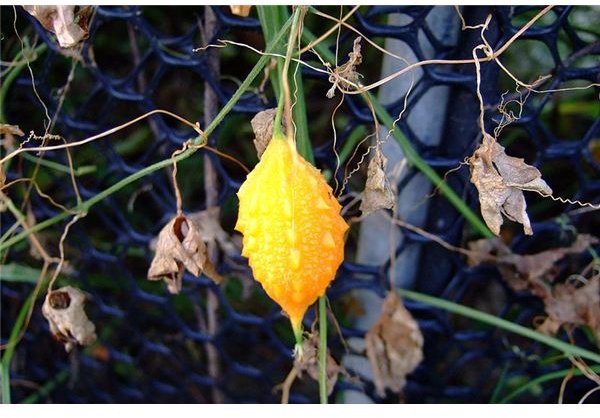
[[292, 227]]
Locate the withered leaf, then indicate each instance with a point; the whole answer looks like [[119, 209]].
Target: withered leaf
[[565, 303], [522, 271], [208, 224], [482, 250], [500, 180], [69, 23], [179, 247], [262, 125], [309, 362], [64, 310], [6, 129], [394, 346], [573, 305], [8, 133], [243, 11], [378, 194], [347, 71], [538, 265]]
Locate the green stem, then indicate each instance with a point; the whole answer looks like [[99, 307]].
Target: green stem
[[323, 349], [270, 16], [21, 317], [85, 206], [47, 388], [409, 152], [278, 117], [19, 216], [80, 171], [298, 335], [284, 76], [500, 384], [353, 139], [14, 73], [271, 19], [568, 349], [10, 231], [560, 374], [10, 349]]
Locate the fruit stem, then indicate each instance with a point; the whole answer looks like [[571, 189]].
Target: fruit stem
[[284, 102], [277, 132], [298, 351], [323, 349]]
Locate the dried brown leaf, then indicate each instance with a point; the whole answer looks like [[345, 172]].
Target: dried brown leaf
[[565, 303], [500, 180], [8, 133], [538, 265], [69, 23], [486, 249], [262, 125], [378, 194], [394, 346], [64, 310], [208, 224], [569, 304], [309, 362], [523, 271], [6, 129], [179, 247], [347, 70], [243, 11]]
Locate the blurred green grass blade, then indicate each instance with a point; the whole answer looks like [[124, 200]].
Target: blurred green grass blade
[[48, 387], [10, 75], [500, 384], [568, 349], [10, 349], [270, 17], [560, 374], [79, 171], [18, 273]]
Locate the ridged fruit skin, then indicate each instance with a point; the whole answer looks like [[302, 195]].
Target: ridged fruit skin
[[293, 230]]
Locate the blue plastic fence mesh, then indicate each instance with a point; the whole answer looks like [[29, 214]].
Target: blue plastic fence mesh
[[155, 347]]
